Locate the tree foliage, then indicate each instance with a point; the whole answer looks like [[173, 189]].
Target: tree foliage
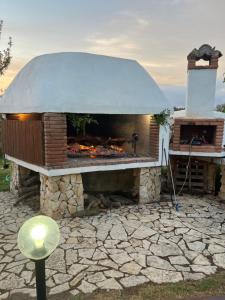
[[221, 107], [162, 117], [5, 54], [79, 122]]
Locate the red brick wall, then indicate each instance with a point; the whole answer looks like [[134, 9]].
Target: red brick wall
[[213, 64], [55, 138], [217, 147], [154, 138]]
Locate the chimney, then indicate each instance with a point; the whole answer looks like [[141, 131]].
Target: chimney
[[201, 82]]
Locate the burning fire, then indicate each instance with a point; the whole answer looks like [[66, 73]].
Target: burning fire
[[95, 151]]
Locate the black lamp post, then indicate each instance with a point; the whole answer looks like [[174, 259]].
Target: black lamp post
[[37, 239]]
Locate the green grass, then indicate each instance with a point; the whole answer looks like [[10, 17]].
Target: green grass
[[4, 175], [210, 286]]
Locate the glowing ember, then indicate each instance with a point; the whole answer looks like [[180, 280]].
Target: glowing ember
[[79, 150]]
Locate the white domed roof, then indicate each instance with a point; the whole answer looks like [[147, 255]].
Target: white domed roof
[[83, 83]]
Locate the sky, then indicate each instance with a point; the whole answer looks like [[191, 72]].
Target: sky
[[157, 33]]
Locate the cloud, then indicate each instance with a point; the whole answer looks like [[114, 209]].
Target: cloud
[[157, 65], [119, 36], [116, 46], [131, 19]]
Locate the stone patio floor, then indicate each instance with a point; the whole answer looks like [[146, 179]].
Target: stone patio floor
[[118, 249]]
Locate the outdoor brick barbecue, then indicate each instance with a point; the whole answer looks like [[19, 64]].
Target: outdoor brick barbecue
[[121, 137], [199, 129], [198, 137]]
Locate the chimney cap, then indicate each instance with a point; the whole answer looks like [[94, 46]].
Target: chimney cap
[[205, 52]]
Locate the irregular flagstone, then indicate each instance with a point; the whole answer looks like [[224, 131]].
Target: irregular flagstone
[[27, 275], [87, 287], [191, 238], [111, 243], [50, 283], [143, 232], [59, 289], [77, 279], [108, 263], [96, 268], [131, 268], [219, 260], [182, 268], [76, 268], [165, 249], [133, 280], [139, 258], [99, 255], [182, 230], [121, 258], [201, 260], [172, 222], [112, 250], [159, 263], [118, 233], [86, 261], [16, 263], [87, 233], [86, 253], [103, 231], [213, 249], [160, 276], [26, 291], [17, 270], [190, 254], [123, 245], [109, 284], [113, 273], [178, 260], [71, 256], [96, 277], [196, 246], [135, 242], [74, 292], [193, 276], [12, 282], [56, 261], [61, 278], [204, 269]]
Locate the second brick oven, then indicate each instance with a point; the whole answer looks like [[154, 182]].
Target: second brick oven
[[122, 143], [198, 131]]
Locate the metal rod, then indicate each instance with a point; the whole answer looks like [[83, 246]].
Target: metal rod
[[40, 279]]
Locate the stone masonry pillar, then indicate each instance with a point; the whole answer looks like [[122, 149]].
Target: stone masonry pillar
[[14, 180], [24, 183], [61, 196], [148, 181]]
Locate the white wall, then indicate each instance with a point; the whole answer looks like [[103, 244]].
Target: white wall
[[201, 86]]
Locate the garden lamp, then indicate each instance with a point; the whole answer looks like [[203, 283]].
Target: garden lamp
[[38, 237]]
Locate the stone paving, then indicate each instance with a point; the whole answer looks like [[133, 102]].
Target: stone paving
[[118, 249]]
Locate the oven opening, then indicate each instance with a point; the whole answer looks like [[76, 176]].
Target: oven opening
[[107, 136], [197, 135]]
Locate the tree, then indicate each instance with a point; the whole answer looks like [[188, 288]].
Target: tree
[[79, 122], [5, 54], [221, 107]]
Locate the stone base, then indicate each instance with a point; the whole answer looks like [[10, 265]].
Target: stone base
[[61, 196], [149, 184]]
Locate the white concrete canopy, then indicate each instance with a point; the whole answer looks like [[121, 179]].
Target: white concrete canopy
[[83, 83]]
